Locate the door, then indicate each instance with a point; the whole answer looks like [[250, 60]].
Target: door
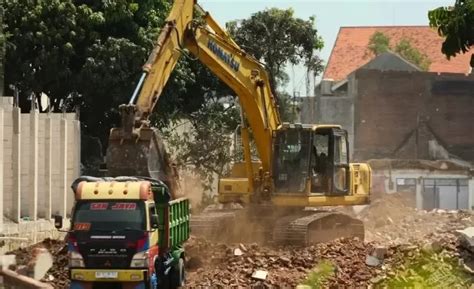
[[463, 195], [291, 161], [340, 173]]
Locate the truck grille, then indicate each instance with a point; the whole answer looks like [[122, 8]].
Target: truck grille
[[107, 262]]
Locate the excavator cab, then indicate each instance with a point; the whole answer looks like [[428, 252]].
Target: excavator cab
[[310, 159]]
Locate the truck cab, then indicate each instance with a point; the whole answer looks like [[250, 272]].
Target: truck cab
[[126, 233]]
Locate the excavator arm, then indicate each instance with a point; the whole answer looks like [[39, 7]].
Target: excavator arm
[[211, 44]]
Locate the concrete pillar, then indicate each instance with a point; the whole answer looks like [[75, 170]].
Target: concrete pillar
[[470, 184], [33, 174], [47, 163], [1, 169], [63, 168], [419, 193], [16, 161]]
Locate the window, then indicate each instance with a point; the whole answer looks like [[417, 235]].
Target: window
[[406, 185], [340, 151]]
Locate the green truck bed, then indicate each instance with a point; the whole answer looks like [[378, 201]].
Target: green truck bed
[[173, 217]]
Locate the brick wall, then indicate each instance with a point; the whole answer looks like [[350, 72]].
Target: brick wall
[[396, 113]]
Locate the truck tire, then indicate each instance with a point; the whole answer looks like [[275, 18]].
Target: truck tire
[[178, 275], [164, 282]]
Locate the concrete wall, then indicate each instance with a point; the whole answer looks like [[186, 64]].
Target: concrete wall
[[397, 113], [39, 159]]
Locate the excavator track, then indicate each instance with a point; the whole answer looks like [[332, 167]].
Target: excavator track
[[216, 225], [316, 227]]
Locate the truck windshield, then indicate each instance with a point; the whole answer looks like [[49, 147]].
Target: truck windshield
[[109, 216]]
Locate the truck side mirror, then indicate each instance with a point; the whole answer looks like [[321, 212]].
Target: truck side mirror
[[58, 221], [154, 221]]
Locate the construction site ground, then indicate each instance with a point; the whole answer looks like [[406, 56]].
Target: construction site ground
[[403, 247]]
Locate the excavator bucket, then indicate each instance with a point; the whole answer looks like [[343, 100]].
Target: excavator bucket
[[139, 152]]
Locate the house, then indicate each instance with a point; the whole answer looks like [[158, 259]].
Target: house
[[350, 51], [394, 111]]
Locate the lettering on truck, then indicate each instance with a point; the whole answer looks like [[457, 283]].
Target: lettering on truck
[[224, 56]]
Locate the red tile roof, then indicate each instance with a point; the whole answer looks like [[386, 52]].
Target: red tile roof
[[350, 49]]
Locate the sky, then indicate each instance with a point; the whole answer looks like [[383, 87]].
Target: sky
[[330, 16]]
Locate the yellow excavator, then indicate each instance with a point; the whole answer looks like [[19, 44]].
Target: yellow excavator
[[303, 169]]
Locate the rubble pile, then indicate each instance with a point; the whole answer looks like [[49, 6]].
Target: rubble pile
[[392, 220], [57, 275], [403, 246], [443, 263], [238, 265]]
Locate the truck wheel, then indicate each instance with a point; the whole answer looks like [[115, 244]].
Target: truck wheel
[[178, 275], [164, 282]]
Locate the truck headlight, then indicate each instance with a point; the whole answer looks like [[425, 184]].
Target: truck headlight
[[140, 260], [76, 260]]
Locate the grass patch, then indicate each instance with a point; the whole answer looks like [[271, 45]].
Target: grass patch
[[317, 277], [428, 270]]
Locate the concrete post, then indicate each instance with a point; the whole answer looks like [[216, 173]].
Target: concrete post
[[16, 162], [48, 169], [63, 168], [33, 191], [470, 185], [419, 193], [1, 169]]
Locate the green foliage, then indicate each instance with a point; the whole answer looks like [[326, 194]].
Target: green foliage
[[413, 55], [379, 43], [287, 108], [91, 53], [204, 141], [276, 38], [88, 51], [456, 23], [318, 276], [428, 269]]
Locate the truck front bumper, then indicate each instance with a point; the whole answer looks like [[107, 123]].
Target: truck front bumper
[[100, 275]]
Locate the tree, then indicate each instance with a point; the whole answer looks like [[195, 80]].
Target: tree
[[205, 145], [456, 24], [379, 43], [2, 49], [89, 54], [276, 38]]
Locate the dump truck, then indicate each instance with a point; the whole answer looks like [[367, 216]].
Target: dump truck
[[126, 233]]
